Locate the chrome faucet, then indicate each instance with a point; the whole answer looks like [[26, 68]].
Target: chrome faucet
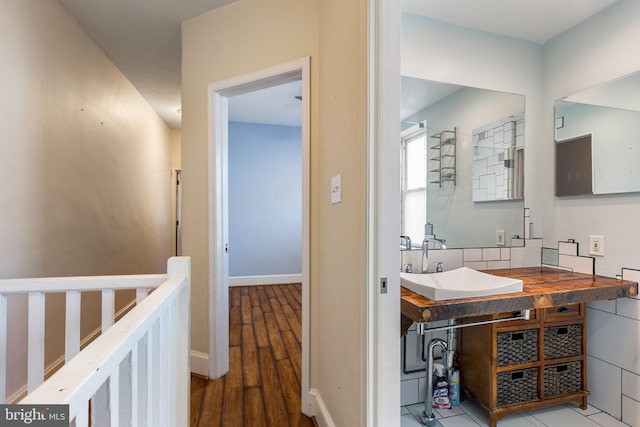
[[406, 242], [425, 250]]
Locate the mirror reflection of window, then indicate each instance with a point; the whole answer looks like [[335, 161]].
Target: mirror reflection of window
[[414, 178]]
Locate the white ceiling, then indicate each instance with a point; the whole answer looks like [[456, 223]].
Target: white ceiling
[[142, 37], [533, 20]]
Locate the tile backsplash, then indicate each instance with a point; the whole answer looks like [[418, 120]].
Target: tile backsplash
[[490, 258]]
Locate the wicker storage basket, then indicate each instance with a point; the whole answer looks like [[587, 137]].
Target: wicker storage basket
[[517, 386], [517, 347], [563, 378], [562, 341]]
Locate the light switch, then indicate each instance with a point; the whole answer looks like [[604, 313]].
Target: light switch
[[336, 189]]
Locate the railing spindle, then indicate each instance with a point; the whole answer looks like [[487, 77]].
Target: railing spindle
[[72, 325], [114, 397], [3, 349], [35, 363], [108, 308]]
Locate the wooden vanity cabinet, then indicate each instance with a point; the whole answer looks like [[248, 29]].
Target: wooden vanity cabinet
[[522, 365]]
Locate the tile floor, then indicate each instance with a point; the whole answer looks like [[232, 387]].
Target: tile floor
[[469, 415]]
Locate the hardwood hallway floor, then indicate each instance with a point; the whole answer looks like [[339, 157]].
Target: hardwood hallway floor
[[262, 387]]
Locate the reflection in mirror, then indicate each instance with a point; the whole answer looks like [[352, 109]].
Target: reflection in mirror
[[431, 113], [610, 114]]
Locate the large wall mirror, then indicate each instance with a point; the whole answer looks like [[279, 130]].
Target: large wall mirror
[[601, 126], [463, 155]]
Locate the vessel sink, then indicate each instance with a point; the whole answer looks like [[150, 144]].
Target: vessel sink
[[462, 282]]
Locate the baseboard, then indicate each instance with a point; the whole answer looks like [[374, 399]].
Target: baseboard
[[200, 363], [272, 279], [320, 411]]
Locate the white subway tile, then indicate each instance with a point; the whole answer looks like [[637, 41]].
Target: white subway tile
[[498, 265], [579, 264], [631, 385], [491, 254], [567, 248], [604, 305], [472, 254], [408, 392], [505, 254], [450, 258], [629, 307], [605, 383], [476, 265], [527, 256], [613, 339], [630, 411]]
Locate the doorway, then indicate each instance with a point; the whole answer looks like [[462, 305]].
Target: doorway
[[219, 94]]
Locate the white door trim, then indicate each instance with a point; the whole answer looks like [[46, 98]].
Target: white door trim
[[383, 213], [218, 93]]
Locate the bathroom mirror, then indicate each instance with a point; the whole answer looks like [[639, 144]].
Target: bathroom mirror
[[608, 116], [436, 112]]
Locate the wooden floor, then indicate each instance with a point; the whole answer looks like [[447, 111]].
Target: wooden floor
[[262, 387]]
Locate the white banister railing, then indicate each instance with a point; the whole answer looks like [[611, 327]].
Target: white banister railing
[[137, 372]]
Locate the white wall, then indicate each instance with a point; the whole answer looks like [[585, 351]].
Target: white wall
[[598, 50], [450, 208], [84, 163]]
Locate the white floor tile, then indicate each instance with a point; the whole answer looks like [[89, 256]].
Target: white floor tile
[[513, 420], [409, 421], [458, 421], [562, 416], [586, 412], [417, 410], [607, 420], [469, 414], [445, 413]]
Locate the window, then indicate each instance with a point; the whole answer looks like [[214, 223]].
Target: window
[[414, 182]]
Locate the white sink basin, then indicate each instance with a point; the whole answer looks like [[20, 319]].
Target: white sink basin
[[462, 282]]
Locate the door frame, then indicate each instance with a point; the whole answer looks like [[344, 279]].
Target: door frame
[[218, 260], [383, 214]]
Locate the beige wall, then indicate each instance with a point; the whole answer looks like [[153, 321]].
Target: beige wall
[[176, 164], [84, 162], [250, 35]]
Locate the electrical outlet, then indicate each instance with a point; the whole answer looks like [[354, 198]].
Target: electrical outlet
[[596, 245], [500, 237]]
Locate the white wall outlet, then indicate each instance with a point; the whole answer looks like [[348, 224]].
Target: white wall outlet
[[336, 189], [500, 237], [596, 245]]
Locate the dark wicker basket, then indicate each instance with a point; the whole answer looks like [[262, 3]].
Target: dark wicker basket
[[517, 347], [563, 378], [562, 341], [517, 386]]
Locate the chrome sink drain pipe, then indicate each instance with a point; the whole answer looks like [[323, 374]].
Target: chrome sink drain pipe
[[448, 353]]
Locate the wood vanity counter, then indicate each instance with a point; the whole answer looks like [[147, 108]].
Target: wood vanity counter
[[543, 287], [522, 364]]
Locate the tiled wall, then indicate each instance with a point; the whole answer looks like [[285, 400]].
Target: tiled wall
[[613, 343], [528, 254], [492, 146]]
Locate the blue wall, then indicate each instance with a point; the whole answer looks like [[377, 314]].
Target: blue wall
[[265, 199]]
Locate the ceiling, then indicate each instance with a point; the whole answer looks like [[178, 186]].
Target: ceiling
[[534, 20], [143, 37]]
